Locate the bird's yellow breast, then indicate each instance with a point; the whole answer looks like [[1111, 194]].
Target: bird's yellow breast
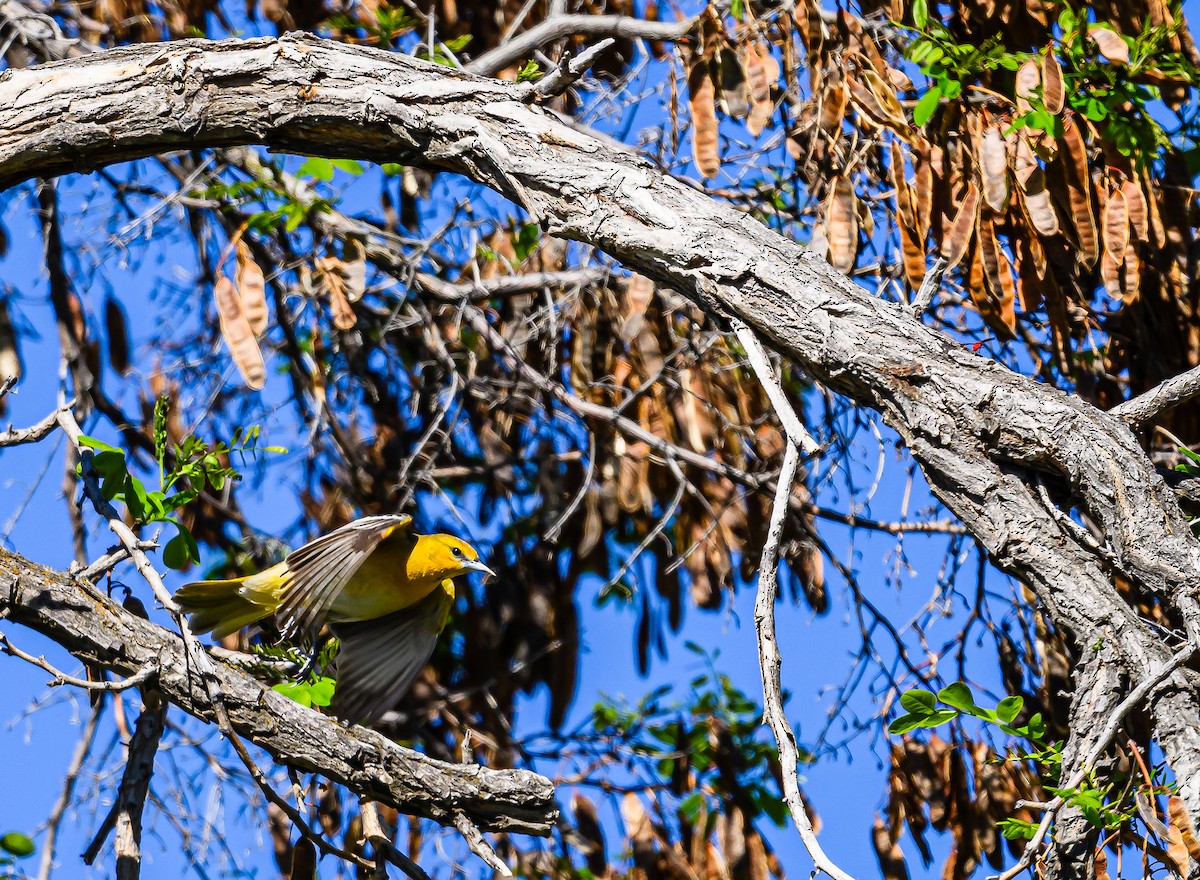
[[395, 576]]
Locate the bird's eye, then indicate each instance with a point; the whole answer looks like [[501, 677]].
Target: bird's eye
[[457, 553]]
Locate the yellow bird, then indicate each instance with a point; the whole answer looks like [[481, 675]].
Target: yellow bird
[[384, 591]]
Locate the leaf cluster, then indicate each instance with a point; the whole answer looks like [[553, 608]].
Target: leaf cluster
[[196, 467]]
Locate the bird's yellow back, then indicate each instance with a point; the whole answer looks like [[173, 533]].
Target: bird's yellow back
[[401, 573]]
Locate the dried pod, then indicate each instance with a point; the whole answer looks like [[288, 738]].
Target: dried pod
[[1135, 204], [1053, 88], [1131, 277], [1111, 44], [704, 119], [1032, 180], [638, 293], [841, 224], [1179, 817], [251, 287], [735, 98], [1116, 225], [1110, 274], [1029, 77], [333, 278], [954, 246], [238, 335], [116, 328], [1079, 189], [999, 310], [587, 823], [354, 269], [993, 168], [833, 107], [762, 72]]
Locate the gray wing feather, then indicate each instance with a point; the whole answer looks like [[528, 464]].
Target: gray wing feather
[[321, 569], [380, 658]]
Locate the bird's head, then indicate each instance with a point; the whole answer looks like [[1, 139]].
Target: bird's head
[[448, 556]]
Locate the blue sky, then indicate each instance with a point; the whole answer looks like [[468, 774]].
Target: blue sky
[[846, 789]]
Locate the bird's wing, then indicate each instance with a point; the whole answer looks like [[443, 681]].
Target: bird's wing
[[318, 571], [380, 658]]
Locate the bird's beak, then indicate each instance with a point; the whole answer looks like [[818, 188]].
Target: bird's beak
[[476, 565]]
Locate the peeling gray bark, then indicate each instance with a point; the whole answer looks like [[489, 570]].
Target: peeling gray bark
[[982, 435], [96, 629]]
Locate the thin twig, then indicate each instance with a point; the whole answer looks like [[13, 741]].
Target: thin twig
[[757, 356], [384, 848], [568, 71], [32, 434], [764, 606], [930, 285], [560, 27], [135, 784], [479, 845], [61, 678], [86, 737]]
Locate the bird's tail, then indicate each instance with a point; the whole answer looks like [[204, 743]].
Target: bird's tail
[[218, 607]]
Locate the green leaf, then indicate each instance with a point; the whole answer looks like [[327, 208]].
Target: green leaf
[[927, 105], [919, 702], [321, 691], [1017, 829], [98, 445], [905, 723], [391, 169], [347, 165], [958, 695], [920, 12], [689, 809], [181, 549], [135, 498], [112, 485], [296, 691], [109, 463], [530, 71], [941, 716], [1009, 708], [919, 51], [1095, 110], [316, 166], [18, 844], [737, 9]]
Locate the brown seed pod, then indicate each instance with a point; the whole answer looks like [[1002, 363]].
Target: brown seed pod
[[841, 225], [1053, 88], [955, 244], [993, 168], [1135, 204], [1029, 77], [239, 336], [735, 96], [1116, 225], [701, 100], [1111, 45], [1079, 189], [251, 287], [1032, 180], [833, 107], [116, 328]]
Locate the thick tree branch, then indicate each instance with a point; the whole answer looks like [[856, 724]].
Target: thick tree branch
[[97, 630], [1162, 397], [978, 431]]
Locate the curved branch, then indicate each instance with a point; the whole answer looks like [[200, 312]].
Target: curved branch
[[560, 27], [99, 631], [979, 432]]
